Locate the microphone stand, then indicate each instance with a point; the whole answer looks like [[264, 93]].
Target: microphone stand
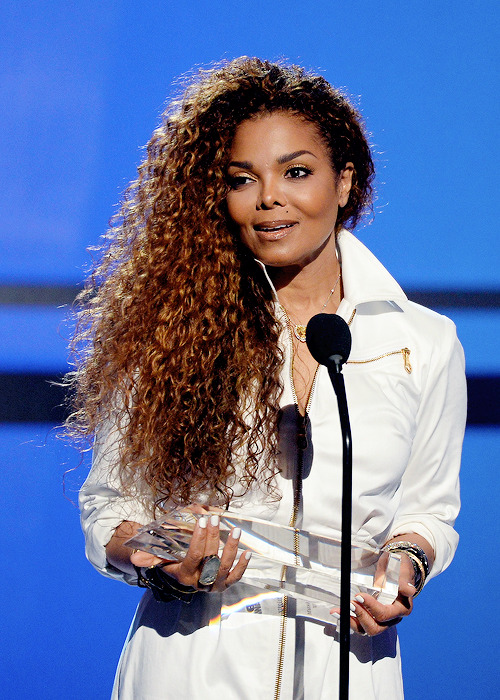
[[337, 379]]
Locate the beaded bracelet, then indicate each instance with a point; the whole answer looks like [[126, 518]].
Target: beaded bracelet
[[417, 557], [164, 587]]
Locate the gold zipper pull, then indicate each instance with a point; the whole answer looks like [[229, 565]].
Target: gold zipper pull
[[406, 359]]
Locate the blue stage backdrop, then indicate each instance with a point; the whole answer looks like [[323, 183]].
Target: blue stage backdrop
[[83, 85]]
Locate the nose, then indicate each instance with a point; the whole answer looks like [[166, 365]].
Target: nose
[[270, 194]]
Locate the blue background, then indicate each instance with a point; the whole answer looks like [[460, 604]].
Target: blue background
[[82, 87]]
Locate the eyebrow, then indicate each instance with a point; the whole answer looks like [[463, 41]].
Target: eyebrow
[[287, 157], [281, 160], [245, 164]]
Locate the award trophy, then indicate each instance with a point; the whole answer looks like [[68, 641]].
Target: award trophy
[[287, 561]]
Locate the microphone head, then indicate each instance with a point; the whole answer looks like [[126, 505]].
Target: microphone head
[[329, 339]]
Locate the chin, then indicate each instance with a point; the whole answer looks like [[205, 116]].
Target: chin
[[281, 262]]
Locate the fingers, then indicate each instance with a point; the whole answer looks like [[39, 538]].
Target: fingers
[[353, 622], [374, 617], [239, 569], [144, 559], [213, 542], [229, 553], [189, 567], [407, 590], [228, 573], [187, 571], [366, 603], [206, 542], [370, 617]]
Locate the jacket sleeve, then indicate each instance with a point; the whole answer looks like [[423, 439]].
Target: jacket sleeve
[[430, 499], [103, 507]]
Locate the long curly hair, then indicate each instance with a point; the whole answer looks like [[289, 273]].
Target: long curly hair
[[176, 341]]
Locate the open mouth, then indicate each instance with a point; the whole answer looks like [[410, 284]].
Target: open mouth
[[274, 225], [274, 229]]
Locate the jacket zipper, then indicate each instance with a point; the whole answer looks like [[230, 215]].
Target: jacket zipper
[[405, 352], [297, 497]]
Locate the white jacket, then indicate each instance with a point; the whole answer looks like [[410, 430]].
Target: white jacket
[[405, 386]]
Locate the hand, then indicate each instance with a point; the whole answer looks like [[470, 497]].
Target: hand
[[204, 542], [369, 616]]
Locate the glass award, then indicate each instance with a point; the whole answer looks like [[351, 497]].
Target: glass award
[[285, 560]]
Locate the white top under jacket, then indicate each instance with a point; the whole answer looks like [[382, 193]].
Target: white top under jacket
[[407, 431]]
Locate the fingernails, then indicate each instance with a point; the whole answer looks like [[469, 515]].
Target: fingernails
[[352, 613], [411, 584], [248, 555], [353, 609], [335, 615], [359, 598], [214, 520], [236, 533], [202, 522]]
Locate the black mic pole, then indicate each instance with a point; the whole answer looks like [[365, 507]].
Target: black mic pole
[[337, 378], [329, 342]]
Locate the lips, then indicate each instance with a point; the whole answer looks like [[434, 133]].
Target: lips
[[273, 230], [274, 226]]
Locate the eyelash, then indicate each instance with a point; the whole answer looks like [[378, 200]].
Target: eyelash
[[237, 181], [307, 171]]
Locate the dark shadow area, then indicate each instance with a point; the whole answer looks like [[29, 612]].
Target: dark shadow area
[[38, 398]]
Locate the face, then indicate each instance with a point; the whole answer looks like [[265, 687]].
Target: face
[[284, 194]]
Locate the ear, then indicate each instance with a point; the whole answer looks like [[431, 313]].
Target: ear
[[345, 183]]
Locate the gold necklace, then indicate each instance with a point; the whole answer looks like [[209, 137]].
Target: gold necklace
[[299, 330]]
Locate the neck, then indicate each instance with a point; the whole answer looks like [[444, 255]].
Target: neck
[[306, 289]]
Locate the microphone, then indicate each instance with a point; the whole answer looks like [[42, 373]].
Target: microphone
[[329, 340]]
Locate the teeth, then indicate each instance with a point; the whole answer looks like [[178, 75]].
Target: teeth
[[276, 228]]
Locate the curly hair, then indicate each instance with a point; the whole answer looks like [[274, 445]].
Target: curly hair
[[177, 340]]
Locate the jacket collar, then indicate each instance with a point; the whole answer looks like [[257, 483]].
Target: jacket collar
[[364, 278]]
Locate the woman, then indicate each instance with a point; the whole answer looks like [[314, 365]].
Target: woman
[[201, 390]]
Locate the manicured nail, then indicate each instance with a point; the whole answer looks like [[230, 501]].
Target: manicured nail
[[236, 533], [353, 609], [359, 598], [335, 615], [248, 555], [411, 584], [352, 614], [214, 520], [202, 522]]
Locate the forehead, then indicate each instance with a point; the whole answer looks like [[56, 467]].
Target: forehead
[[278, 133]]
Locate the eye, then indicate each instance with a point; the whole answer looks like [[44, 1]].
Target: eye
[[237, 181], [297, 171]]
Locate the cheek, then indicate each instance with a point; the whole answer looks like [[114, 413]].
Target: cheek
[[322, 208], [237, 209]]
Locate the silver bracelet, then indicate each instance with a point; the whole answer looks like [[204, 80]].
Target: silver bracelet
[[418, 558], [405, 546]]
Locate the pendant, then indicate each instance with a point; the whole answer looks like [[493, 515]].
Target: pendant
[[300, 333]]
